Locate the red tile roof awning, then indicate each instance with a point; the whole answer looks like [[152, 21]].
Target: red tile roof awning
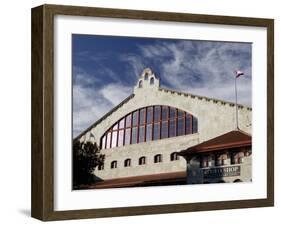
[[232, 139]]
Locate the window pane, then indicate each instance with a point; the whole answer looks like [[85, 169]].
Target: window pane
[[120, 138], [149, 132], [188, 123], [135, 118], [156, 130], [115, 127], [180, 113], [128, 120], [164, 130], [127, 136], [165, 111], [114, 139], [172, 113], [149, 115], [194, 125], [108, 140], [103, 144], [172, 128], [142, 116], [157, 110], [141, 134], [180, 127], [121, 123], [134, 135]]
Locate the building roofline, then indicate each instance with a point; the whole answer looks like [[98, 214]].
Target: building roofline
[[225, 141], [104, 116], [204, 97]]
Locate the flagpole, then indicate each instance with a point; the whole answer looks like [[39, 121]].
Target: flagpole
[[237, 127]]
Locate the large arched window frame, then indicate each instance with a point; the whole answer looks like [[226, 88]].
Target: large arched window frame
[[149, 124]]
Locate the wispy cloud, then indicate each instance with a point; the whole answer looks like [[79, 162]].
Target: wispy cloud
[[91, 101], [203, 68]]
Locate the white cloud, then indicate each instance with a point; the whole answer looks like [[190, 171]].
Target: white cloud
[[115, 93], [204, 69], [91, 102]]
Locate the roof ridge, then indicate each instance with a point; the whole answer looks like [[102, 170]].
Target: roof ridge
[[205, 97]]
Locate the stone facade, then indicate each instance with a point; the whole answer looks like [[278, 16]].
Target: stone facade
[[225, 172], [215, 117]]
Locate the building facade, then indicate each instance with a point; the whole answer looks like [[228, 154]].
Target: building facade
[[141, 137], [223, 159]]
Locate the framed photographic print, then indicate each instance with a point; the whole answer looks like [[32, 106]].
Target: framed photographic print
[[141, 112]]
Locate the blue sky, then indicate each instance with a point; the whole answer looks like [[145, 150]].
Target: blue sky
[[105, 69]]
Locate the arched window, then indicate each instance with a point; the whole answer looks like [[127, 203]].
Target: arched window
[[174, 156], [127, 163], [151, 81], [237, 158], [113, 165], [140, 84], [149, 124], [157, 158], [221, 159], [101, 167], [145, 76], [142, 160]]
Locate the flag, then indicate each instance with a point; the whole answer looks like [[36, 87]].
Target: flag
[[238, 73]]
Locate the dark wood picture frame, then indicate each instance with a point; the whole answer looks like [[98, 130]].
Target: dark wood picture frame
[[42, 203]]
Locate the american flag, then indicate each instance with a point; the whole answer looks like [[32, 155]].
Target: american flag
[[239, 73]]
